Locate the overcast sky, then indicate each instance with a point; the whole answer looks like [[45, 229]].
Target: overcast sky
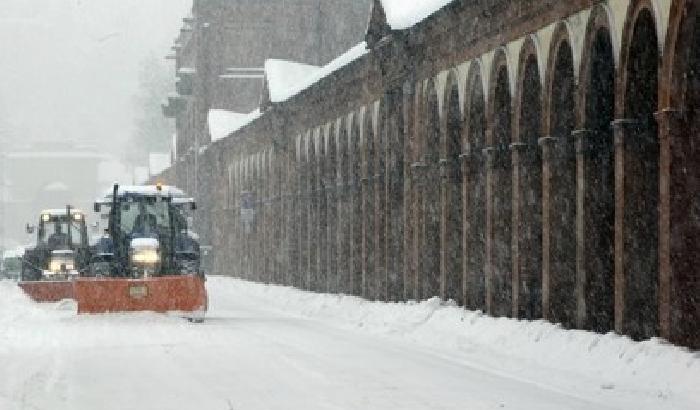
[[69, 68]]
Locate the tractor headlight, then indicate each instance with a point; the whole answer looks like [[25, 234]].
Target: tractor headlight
[[145, 257], [145, 252], [61, 263]]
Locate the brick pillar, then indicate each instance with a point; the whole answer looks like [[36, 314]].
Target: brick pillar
[[623, 130], [490, 154], [679, 282], [585, 141], [547, 145], [518, 165], [466, 180], [418, 178], [444, 190]]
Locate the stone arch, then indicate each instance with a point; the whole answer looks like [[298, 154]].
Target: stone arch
[[559, 210], [680, 177], [528, 232], [596, 197], [452, 198], [637, 162], [499, 138], [430, 271], [475, 176]]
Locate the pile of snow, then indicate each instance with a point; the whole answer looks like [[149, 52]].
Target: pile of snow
[[292, 85], [534, 350], [282, 76], [402, 14], [223, 123]]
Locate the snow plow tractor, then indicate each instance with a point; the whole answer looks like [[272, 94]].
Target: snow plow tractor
[[61, 253], [148, 259]]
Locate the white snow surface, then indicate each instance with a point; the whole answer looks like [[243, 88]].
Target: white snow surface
[[402, 14], [223, 123], [283, 76], [271, 347], [293, 87]]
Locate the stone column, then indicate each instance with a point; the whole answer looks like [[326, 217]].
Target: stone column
[[466, 180], [418, 179], [585, 142], [623, 130], [443, 190], [547, 145], [679, 283], [490, 154], [517, 149]]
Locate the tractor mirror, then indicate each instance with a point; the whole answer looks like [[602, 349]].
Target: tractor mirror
[[97, 207], [29, 229]]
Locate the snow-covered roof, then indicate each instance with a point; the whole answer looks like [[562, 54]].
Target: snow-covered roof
[[145, 190], [60, 211], [158, 162], [314, 76], [56, 186], [186, 71], [222, 122], [13, 253], [283, 75], [402, 14]]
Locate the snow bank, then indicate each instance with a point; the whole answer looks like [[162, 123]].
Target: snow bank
[[534, 350], [402, 14], [222, 122]]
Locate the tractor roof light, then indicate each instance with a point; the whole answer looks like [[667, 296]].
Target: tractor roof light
[[78, 217], [45, 218]]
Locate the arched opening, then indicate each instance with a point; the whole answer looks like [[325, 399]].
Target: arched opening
[[530, 193], [345, 217], [641, 181], [321, 215], [356, 258], [453, 181], [476, 195], [431, 253], [312, 239], [368, 198], [599, 180], [502, 190], [685, 184], [332, 225], [380, 201], [562, 190], [395, 173]]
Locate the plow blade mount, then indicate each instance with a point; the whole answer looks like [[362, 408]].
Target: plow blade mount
[[48, 291], [184, 293]]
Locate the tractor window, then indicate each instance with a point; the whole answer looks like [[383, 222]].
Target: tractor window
[[55, 233], [144, 216]]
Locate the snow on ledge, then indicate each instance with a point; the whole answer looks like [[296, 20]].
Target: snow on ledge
[[402, 14], [222, 122], [282, 76], [287, 89]]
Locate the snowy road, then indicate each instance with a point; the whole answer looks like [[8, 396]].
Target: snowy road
[[276, 348]]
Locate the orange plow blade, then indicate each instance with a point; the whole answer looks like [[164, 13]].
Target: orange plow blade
[[158, 294], [48, 291]]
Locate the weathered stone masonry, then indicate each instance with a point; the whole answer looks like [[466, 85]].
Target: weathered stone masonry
[[531, 159]]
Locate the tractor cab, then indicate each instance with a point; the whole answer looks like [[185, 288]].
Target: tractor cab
[[61, 251], [147, 234]]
